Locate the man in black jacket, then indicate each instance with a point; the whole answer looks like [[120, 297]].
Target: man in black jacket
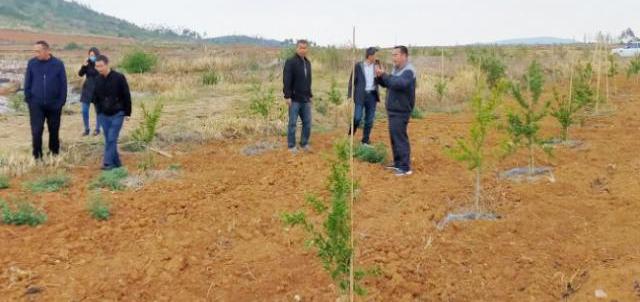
[[297, 93], [45, 91], [366, 95], [401, 98], [112, 99]]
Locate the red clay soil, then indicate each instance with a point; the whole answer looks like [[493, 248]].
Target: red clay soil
[[215, 233]]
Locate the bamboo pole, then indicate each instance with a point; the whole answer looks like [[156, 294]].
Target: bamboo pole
[[598, 73], [352, 168], [570, 104]]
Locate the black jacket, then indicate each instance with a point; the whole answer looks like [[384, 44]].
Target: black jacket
[[112, 94], [89, 85], [297, 79], [361, 84], [401, 90]]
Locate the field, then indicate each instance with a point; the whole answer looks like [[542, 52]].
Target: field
[[202, 221]]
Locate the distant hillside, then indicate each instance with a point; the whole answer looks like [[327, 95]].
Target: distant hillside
[[536, 41], [247, 40], [72, 17]]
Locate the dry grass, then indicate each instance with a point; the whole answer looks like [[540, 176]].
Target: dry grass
[[198, 113]]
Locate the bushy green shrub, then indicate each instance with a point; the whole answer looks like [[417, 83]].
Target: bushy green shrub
[[375, 154], [72, 46], [139, 62]]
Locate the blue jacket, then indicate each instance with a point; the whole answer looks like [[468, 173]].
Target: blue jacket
[[45, 82], [401, 89]]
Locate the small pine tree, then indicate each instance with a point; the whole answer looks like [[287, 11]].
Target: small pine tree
[[523, 126], [441, 89], [146, 131], [564, 110], [262, 101], [583, 93], [334, 95], [333, 242], [472, 149], [490, 64]]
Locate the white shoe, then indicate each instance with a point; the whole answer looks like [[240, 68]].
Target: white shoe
[[293, 150], [401, 173], [392, 168]]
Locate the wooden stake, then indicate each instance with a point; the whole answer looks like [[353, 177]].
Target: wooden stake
[[570, 104], [352, 166], [598, 72]]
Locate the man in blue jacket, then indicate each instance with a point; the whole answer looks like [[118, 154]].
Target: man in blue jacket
[[365, 95], [45, 91], [401, 98]]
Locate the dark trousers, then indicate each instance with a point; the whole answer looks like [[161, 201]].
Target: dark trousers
[[398, 124], [302, 110], [38, 115], [368, 109], [111, 126]]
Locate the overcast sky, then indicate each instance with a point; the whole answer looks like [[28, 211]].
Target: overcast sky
[[384, 23]]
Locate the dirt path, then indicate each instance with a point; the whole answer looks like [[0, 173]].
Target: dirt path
[[215, 233]]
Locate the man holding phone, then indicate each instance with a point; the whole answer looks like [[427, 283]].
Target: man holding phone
[[365, 94], [401, 99]]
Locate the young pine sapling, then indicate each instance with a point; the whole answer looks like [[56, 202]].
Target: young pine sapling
[[333, 242], [524, 125], [472, 149]]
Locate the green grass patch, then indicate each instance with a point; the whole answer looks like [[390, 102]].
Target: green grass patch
[[210, 78], [111, 180], [4, 182], [375, 154], [49, 183], [23, 214], [417, 113], [98, 207]]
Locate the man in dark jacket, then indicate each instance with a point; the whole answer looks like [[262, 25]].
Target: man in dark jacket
[[45, 91], [88, 69], [366, 95], [113, 101], [401, 98], [297, 93]]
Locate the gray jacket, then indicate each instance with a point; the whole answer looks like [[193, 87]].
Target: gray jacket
[[401, 89]]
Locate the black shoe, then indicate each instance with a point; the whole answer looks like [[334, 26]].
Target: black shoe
[[95, 133], [86, 132]]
